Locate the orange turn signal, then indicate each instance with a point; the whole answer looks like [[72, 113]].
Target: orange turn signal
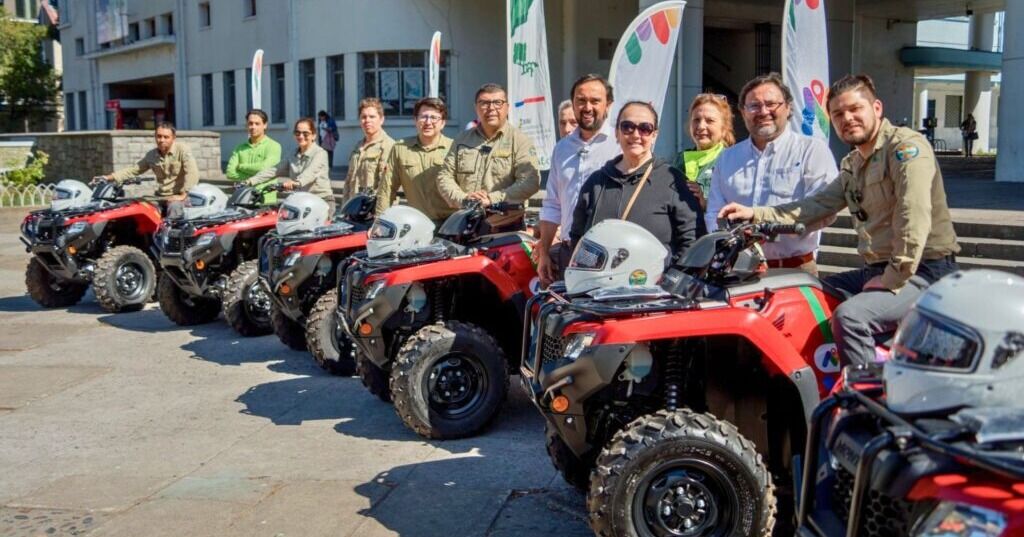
[[200, 264], [72, 250], [285, 289], [365, 329], [560, 404]]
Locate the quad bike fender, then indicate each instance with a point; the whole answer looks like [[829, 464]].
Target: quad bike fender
[[261, 222], [352, 241], [145, 215], [458, 266]]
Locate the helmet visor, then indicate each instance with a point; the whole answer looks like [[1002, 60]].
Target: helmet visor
[[63, 194], [382, 230], [589, 256], [929, 342], [195, 200], [287, 213]]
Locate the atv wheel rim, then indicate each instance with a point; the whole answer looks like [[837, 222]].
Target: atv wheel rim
[[130, 281], [257, 304], [685, 498], [456, 385]]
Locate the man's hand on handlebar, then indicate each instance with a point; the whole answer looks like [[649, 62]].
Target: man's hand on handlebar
[[288, 184], [97, 180], [734, 211], [481, 197]]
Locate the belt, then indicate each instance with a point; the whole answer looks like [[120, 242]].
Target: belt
[[791, 262]]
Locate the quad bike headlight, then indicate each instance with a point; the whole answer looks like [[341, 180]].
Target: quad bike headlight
[[374, 289], [950, 518], [76, 229], [291, 259], [577, 343], [205, 239]]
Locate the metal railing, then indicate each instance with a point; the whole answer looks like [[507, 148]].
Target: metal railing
[[24, 195]]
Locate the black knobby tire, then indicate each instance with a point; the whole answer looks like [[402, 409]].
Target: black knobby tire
[[331, 348], [246, 306], [677, 460], [291, 333], [449, 380], [574, 470], [182, 308], [48, 290], [124, 279], [375, 379]]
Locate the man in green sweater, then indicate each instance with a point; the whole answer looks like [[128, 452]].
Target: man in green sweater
[[256, 154]]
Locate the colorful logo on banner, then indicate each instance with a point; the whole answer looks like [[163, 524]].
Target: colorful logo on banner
[[660, 25], [815, 97], [811, 4], [529, 82], [805, 65], [434, 73], [520, 13], [257, 77]]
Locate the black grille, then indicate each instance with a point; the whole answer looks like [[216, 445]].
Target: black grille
[[551, 348], [883, 516], [175, 242], [270, 255], [46, 230]]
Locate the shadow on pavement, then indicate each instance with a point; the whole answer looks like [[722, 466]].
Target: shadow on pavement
[[24, 304]]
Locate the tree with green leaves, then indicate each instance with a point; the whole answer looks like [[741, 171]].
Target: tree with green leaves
[[29, 87]]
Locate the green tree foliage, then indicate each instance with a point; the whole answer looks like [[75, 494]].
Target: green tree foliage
[[31, 174], [28, 86]]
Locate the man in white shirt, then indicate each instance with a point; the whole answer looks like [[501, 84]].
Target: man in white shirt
[[574, 159], [774, 166]]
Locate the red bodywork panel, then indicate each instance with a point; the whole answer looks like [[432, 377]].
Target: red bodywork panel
[[508, 268], [982, 490], [262, 221], [786, 330], [352, 241], [146, 216]]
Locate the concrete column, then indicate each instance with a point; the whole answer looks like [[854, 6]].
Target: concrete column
[[978, 84], [877, 44], [569, 70], [841, 16], [320, 68], [218, 98], [352, 85], [241, 95], [689, 69], [1010, 160], [182, 115]]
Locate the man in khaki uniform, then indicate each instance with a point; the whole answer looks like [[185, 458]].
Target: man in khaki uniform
[[415, 162], [893, 187], [172, 164], [493, 162], [368, 160]]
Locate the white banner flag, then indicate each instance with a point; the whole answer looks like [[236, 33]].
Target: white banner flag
[[642, 64], [529, 82], [434, 73], [257, 76], [805, 65]]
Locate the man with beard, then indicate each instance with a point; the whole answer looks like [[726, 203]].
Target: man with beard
[[772, 167], [893, 187], [573, 160]]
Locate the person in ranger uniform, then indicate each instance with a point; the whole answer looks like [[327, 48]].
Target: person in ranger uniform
[[892, 185], [493, 162], [368, 159], [415, 162], [173, 165]]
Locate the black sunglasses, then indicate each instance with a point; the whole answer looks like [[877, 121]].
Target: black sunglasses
[[853, 201], [645, 128]]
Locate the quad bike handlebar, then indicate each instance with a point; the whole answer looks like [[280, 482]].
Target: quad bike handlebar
[[500, 207]]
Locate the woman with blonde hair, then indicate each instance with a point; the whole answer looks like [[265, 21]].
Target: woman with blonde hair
[[710, 127]]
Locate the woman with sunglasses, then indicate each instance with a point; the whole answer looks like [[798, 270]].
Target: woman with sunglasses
[[640, 188], [711, 130], [306, 169]]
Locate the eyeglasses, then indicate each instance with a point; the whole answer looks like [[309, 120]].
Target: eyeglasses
[[496, 103], [428, 118], [628, 127], [302, 134], [769, 107], [853, 201]]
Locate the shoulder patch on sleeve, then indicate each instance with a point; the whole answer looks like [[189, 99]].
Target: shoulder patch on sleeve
[[906, 152]]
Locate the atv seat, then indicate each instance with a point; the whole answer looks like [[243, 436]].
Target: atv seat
[[500, 239], [775, 279]]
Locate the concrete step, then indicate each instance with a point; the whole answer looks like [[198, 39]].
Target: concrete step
[[838, 256], [969, 246]]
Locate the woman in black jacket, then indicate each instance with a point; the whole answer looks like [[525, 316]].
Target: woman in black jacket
[[664, 206]]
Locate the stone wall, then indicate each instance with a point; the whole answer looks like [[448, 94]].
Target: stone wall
[[14, 154], [83, 155]]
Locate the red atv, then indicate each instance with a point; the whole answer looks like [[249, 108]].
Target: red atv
[[211, 260], [299, 271], [106, 243], [683, 410], [432, 327], [871, 472]]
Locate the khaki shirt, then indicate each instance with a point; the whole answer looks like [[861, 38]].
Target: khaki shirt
[[899, 187], [176, 172], [309, 169], [366, 166], [505, 166], [414, 168]]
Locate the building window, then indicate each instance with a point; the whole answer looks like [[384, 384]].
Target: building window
[[79, 46], [207, 100], [26, 9], [167, 21], [83, 112], [399, 79], [69, 111], [249, 8], [277, 93], [229, 98], [150, 27], [133, 31], [307, 88], [336, 86], [204, 14], [953, 105], [248, 89]]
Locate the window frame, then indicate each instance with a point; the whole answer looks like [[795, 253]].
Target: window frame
[[278, 94], [70, 111], [307, 88], [206, 91], [229, 98], [83, 111], [249, 9], [336, 91], [205, 12], [405, 101]]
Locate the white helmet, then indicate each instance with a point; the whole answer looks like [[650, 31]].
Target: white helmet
[[69, 194], [615, 253], [302, 211], [204, 200], [962, 345], [397, 229]]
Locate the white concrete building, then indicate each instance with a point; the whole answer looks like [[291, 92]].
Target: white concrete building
[[186, 59]]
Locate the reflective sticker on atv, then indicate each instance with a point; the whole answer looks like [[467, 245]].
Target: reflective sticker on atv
[[826, 358], [535, 285], [638, 277]]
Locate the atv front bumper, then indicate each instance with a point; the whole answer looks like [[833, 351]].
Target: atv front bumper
[[364, 320], [294, 279], [62, 264], [192, 269]]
